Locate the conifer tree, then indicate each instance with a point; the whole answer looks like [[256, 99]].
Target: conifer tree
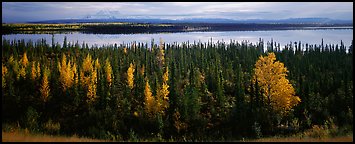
[[4, 72], [108, 72], [149, 100], [130, 76], [44, 89]]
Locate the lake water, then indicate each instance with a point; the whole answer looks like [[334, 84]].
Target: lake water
[[330, 36]]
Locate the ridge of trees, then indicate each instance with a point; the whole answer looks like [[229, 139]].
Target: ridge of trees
[[193, 91]]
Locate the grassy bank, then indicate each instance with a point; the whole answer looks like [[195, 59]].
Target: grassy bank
[[348, 138], [25, 136]]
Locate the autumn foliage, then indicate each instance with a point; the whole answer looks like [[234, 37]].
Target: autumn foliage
[[162, 94], [3, 73], [184, 92], [160, 102], [88, 78], [149, 100], [44, 89], [66, 73], [130, 76], [275, 87], [108, 72]]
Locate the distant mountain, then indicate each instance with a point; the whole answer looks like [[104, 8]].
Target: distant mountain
[[109, 16], [103, 14]]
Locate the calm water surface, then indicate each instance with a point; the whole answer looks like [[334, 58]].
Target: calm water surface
[[330, 36]]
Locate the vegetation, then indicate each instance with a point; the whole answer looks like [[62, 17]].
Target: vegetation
[[180, 91], [25, 136], [128, 28]]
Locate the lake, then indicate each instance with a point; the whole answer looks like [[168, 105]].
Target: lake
[[330, 36]]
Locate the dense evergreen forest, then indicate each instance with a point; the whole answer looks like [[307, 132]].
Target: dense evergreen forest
[[177, 91]]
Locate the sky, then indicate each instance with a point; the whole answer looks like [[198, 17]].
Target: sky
[[37, 11]]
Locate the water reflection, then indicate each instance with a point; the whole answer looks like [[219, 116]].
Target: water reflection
[[333, 36]]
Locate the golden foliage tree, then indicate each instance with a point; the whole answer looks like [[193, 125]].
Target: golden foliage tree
[[22, 72], [162, 93], [130, 76], [108, 72], [149, 99], [76, 75], [44, 89], [35, 71], [23, 62], [38, 69], [89, 78], [87, 69], [275, 87], [97, 64], [4, 72], [66, 73], [92, 88]]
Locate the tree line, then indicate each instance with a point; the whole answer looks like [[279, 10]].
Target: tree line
[[180, 91]]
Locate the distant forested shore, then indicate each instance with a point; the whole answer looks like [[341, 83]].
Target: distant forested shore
[[131, 28]]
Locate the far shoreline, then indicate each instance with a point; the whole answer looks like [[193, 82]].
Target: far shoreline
[[135, 28]]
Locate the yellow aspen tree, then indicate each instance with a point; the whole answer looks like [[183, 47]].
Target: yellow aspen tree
[[4, 72], [22, 72], [38, 69], [33, 71], [44, 89], [275, 87], [108, 72], [24, 62], [66, 74], [165, 85], [97, 67], [89, 78], [70, 74], [97, 64], [149, 99], [86, 71], [162, 93], [76, 79], [130, 76], [92, 87]]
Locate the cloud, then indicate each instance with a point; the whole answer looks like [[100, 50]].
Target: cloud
[[27, 11]]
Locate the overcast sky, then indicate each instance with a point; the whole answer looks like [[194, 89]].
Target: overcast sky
[[36, 11]]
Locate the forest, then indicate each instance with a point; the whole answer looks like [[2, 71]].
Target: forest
[[190, 91], [132, 28]]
